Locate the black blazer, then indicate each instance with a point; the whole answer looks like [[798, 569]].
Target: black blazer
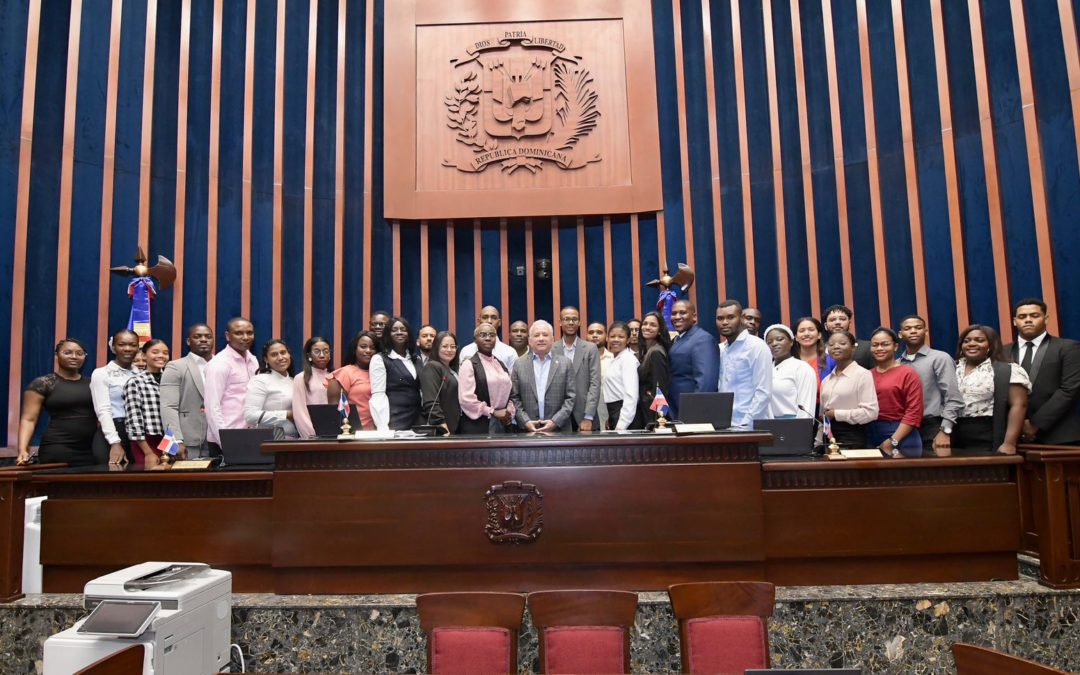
[[1054, 403], [654, 371], [439, 393]]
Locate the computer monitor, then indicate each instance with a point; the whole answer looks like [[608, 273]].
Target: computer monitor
[[243, 447], [791, 437], [707, 407]]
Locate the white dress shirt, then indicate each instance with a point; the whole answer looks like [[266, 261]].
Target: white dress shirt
[[620, 383], [794, 384], [380, 403], [501, 351], [107, 392], [269, 398], [606, 358], [746, 370]]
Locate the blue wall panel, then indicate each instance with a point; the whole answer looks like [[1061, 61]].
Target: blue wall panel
[[798, 288], [727, 131], [822, 157], [1057, 131], [930, 159]]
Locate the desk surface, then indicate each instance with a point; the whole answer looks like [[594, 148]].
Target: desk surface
[[607, 510]]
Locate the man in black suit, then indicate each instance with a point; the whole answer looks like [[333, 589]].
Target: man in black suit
[[1053, 364], [839, 318]]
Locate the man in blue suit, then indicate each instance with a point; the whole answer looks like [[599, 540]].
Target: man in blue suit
[[694, 356]]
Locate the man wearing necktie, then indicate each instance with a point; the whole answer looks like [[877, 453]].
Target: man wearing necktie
[[1053, 365]]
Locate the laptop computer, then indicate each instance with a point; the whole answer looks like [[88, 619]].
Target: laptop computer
[[791, 437], [326, 420], [707, 407], [243, 447]]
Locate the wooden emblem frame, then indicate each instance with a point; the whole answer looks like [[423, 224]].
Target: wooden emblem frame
[[414, 188]]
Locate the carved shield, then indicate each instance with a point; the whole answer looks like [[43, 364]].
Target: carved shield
[[515, 512], [517, 98]]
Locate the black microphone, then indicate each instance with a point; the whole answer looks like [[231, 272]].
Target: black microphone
[[819, 422], [436, 398], [427, 429]]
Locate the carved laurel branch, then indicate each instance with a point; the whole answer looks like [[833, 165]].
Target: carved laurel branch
[[461, 112]]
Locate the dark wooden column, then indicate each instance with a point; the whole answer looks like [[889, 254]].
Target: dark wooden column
[[14, 486], [1052, 477]]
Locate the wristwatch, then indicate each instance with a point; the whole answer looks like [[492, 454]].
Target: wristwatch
[[895, 443]]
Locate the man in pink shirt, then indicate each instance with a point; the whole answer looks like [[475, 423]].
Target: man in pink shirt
[[227, 377]]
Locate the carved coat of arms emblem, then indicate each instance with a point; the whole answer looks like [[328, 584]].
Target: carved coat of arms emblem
[[521, 101], [515, 512]]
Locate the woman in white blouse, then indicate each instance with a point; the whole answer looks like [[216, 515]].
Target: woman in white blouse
[[620, 381], [269, 397], [794, 384], [995, 394]]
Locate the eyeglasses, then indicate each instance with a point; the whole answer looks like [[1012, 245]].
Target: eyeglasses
[[320, 352], [486, 335]]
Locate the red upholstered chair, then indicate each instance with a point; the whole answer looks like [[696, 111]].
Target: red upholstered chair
[[471, 633], [583, 631], [723, 626], [973, 660]]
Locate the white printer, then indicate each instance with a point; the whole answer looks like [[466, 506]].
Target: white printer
[[181, 612]]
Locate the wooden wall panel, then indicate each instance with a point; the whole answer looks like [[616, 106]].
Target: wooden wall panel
[[718, 92], [67, 168]]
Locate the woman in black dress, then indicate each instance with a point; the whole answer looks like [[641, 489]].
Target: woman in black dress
[[655, 370], [65, 395]]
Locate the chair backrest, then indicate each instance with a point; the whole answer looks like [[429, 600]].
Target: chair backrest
[[975, 660], [723, 625], [584, 631], [471, 632]]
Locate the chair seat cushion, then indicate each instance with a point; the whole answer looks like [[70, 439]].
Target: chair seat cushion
[[726, 644], [585, 649], [470, 651]]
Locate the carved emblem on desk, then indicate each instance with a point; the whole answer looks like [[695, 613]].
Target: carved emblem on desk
[[521, 100], [515, 512]]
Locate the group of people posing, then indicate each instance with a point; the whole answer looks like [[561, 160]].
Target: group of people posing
[[890, 391]]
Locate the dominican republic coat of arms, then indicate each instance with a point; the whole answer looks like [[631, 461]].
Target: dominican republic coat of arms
[[521, 101]]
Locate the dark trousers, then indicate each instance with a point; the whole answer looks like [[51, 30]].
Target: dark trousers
[[849, 435], [929, 430], [974, 433], [100, 446], [614, 409]]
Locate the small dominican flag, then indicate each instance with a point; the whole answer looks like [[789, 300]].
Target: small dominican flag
[[343, 406], [827, 428], [659, 403], [168, 444]]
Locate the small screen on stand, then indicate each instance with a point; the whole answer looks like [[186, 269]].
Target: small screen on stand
[[123, 618]]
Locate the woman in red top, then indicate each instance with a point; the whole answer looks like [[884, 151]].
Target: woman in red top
[[900, 400]]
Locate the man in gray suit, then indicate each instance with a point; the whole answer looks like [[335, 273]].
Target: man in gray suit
[[543, 384], [585, 360], [182, 393]]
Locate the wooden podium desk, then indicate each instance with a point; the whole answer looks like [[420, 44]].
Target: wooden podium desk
[[529, 513]]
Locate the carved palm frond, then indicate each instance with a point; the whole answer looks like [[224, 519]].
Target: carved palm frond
[[575, 105]]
